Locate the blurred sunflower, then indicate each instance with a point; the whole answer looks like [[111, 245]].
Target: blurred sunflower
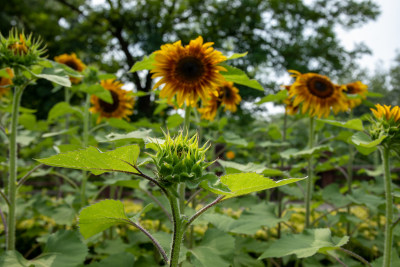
[[289, 108], [356, 88], [387, 112], [4, 82], [230, 155], [317, 94], [225, 95], [122, 105], [73, 62], [189, 72]]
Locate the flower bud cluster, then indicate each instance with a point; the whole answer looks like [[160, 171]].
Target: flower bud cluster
[[179, 160]]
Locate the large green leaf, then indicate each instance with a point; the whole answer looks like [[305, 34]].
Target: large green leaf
[[99, 91], [245, 183], [57, 76], [100, 216], [238, 76], [61, 109], [233, 167], [277, 98], [147, 63], [139, 134], [363, 140], [354, 124], [121, 159], [304, 245]]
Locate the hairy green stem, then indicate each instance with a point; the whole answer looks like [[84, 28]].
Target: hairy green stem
[[387, 254], [179, 230], [86, 122], [309, 190], [349, 181], [188, 110], [12, 178]]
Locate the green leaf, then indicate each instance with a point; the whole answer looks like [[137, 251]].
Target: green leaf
[[233, 167], [4, 73], [374, 94], [123, 259], [134, 135], [65, 69], [61, 109], [99, 91], [212, 183], [237, 55], [363, 140], [306, 153], [238, 76], [100, 216], [147, 63], [245, 183], [120, 124], [13, 258], [306, 244], [277, 98], [57, 76], [354, 124], [121, 159], [174, 121]]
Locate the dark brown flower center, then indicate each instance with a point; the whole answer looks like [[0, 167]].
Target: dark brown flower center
[[108, 107], [320, 87], [189, 69], [351, 89], [72, 64]]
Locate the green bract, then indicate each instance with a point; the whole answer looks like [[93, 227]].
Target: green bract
[[19, 49], [180, 159]]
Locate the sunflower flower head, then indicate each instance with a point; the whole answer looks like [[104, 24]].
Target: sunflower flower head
[[73, 62], [6, 81], [180, 159], [356, 89], [122, 102], [316, 94], [19, 49], [387, 123], [289, 108], [190, 72], [225, 95]]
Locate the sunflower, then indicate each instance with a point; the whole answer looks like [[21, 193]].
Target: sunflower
[[317, 94], [73, 62], [122, 102], [230, 154], [387, 112], [189, 72], [289, 108], [4, 82], [356, 88], [209, 111]]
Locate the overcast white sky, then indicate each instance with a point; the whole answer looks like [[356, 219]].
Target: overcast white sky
[[382, 36]]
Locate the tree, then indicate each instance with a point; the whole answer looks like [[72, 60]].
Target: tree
[[278, 34]]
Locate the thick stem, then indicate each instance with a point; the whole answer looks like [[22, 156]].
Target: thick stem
[[188, 110], [387, 254], [86, 122], [308, 196], [12, 179], [179, 230]]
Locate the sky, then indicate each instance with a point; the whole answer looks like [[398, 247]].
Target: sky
[[382, 36]]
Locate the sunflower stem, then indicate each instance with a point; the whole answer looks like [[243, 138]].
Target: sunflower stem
[[188, 110], [310, 173], [12, 178], [86, 122], [387, 254], [179, 230], [67, 97]]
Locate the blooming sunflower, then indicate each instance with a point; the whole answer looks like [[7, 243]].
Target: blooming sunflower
[[387, 112], [4, 82], [209, 111], [73, 62], [289, 108], [317, 94], [188, 72], [356, 88], [122, 102]]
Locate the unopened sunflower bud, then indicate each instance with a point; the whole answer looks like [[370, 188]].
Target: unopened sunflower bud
[[180, 159], [386, 123]]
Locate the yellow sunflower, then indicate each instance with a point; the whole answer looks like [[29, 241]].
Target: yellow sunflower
[[188, 72], [73, 62], [4, 82], [289, 108], [387, 112], [209, 111], [122, 105], [317, 94], [356, 88]]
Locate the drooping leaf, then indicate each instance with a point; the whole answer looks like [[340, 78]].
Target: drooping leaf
[[303, 245], [238, 76], [100, 216], [245, 183], [147, 63], [57, 76], [363, 140], [121, 159], [354, 124]]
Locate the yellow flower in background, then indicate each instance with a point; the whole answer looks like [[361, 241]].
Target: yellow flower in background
[[356, 88], [317, 94], [387, 112], [230, 155], [188, 72], [225, 95], [122, 105], [289, 108], [5, 82], [73, 62]]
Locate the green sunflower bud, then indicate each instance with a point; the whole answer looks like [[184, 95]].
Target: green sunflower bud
[[180, 159], [386, 123], [19, 49]]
